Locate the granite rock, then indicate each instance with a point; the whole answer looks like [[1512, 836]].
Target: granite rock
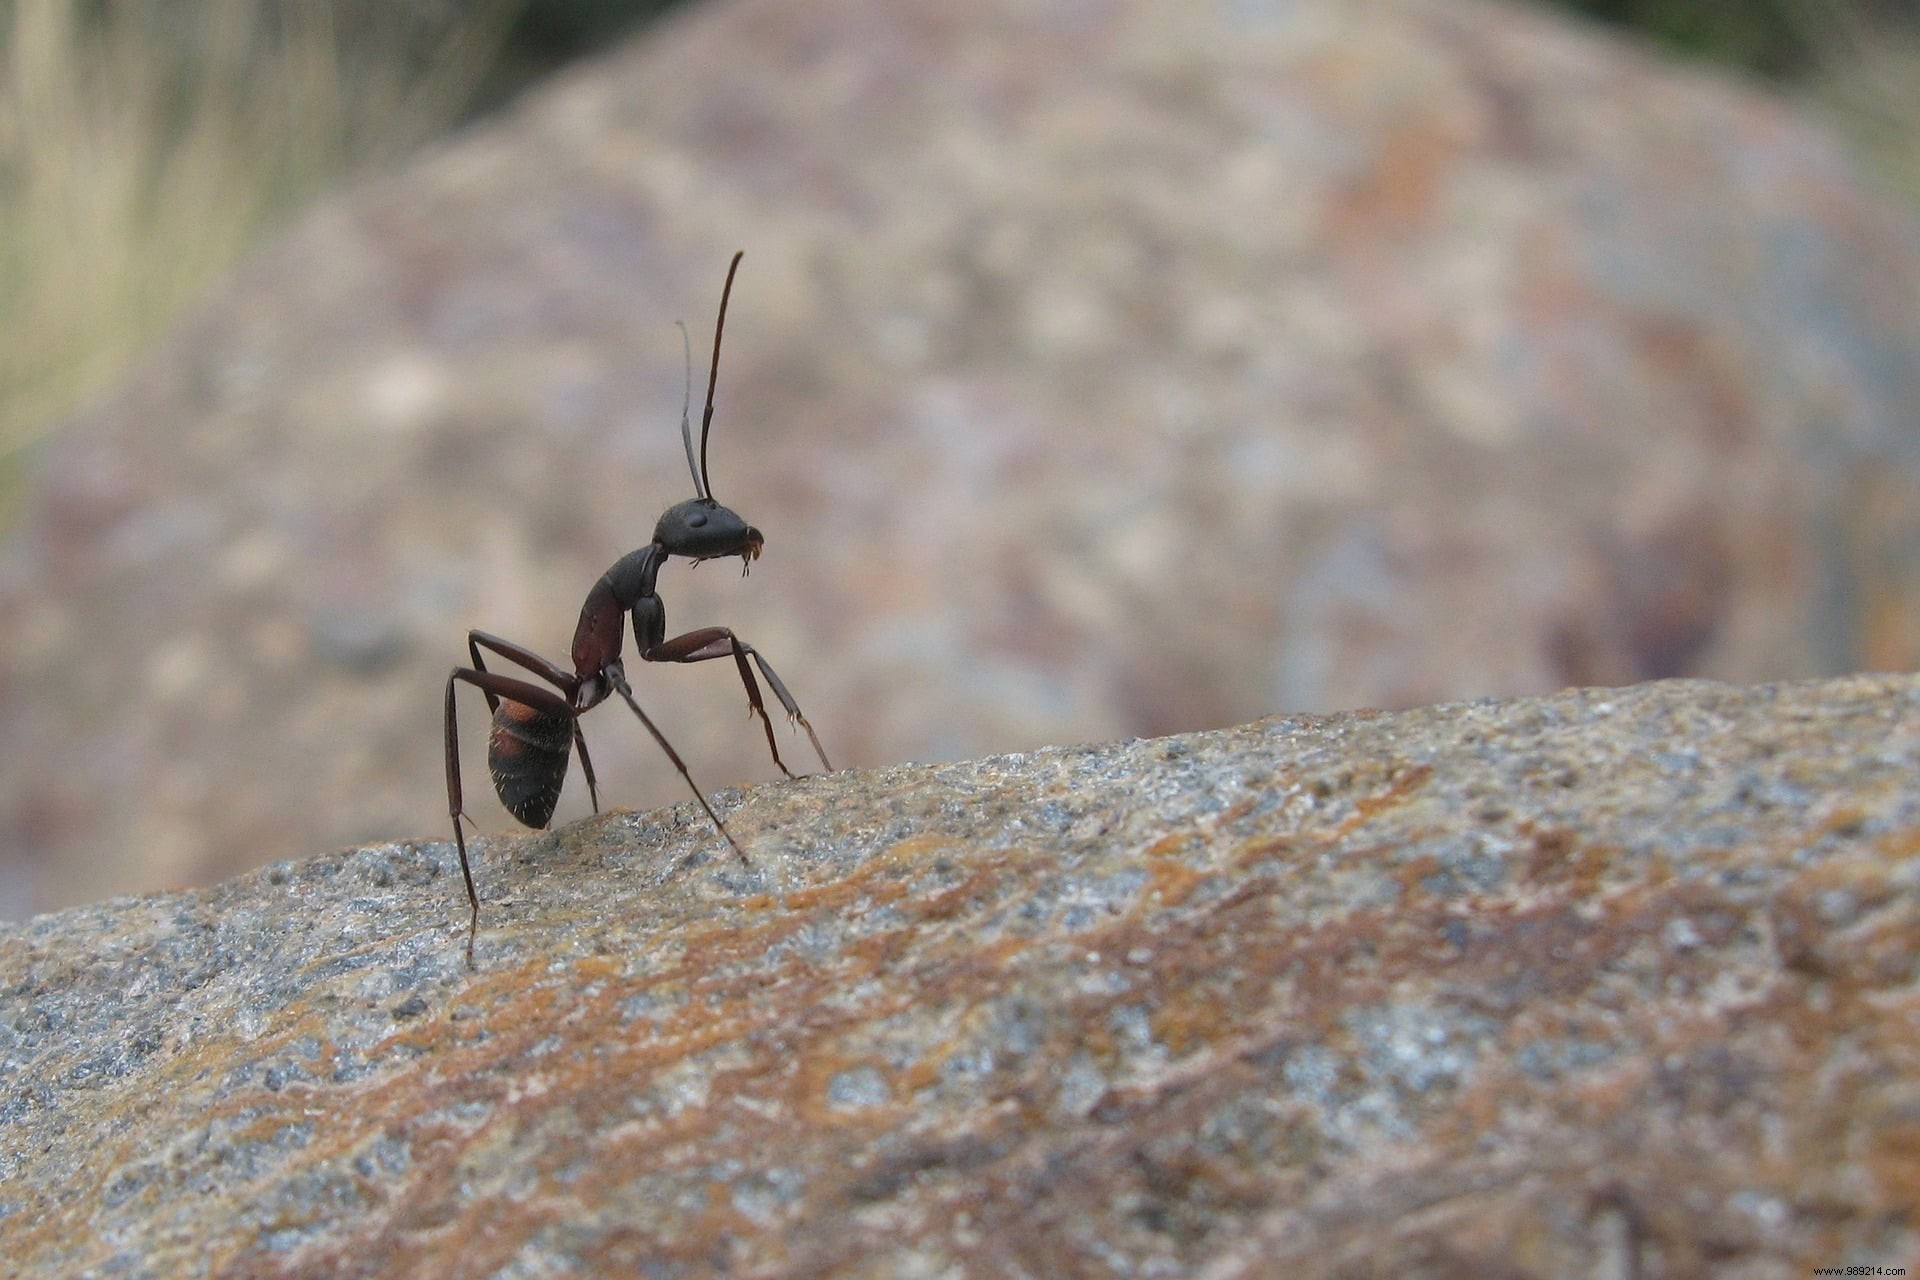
[[1098, 367], [1616, 983]]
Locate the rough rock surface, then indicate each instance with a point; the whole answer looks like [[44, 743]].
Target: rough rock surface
[[1618, 983], [1098, 367]]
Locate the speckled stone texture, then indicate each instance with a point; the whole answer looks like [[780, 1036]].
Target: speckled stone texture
[[1618, 983], [1097, 367]]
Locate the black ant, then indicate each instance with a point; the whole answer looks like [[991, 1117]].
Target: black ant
[[535, 730]]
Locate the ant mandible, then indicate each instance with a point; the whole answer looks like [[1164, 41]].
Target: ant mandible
[[535, 730]]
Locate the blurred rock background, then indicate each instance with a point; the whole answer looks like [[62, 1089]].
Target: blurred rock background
[[1097, 368]]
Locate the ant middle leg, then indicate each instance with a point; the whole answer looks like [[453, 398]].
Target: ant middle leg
[[621, 687], [720, 642]]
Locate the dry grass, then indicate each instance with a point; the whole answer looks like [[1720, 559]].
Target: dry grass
[[144, 147]]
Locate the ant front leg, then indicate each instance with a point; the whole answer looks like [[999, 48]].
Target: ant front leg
[[586, 766], [621, 687], [720, 642]]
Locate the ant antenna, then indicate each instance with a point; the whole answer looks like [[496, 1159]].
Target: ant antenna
[[686, 403], [713, 374]]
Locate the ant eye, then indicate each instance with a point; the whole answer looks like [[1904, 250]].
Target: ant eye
[[696, 519]]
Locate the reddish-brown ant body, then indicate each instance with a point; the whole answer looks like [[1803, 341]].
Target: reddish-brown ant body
[[536, 730]]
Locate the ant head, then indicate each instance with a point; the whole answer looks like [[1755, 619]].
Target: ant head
[[702, 529]]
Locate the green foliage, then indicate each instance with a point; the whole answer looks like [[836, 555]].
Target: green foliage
[[547, 34], [1763, 36], [1858, 61], [1868, 81]]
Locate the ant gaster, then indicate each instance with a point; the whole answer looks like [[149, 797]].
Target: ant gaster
[[535, 730]]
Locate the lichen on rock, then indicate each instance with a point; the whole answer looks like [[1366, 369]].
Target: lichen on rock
[[1617, 982]]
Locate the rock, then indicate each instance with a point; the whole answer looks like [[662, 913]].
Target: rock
[[1095, 368], [1612, 983]]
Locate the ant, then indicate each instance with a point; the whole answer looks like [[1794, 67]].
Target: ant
[[535, 730]]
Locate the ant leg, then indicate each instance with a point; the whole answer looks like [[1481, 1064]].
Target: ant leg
[[787, 703], [494, 686], [456, 811], [720, 642], [559, 677], [620, 686], [586, 765]]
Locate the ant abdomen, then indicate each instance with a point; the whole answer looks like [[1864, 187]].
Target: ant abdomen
[[527, 755]]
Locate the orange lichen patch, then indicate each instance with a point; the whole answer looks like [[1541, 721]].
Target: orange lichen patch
[[1845, 819], [1671, 1059], [1848, 923], [841, 1088], [1400, 186], [1899, 844], [1271, 852], [969, 893], [920, 849], [1187, 1026], [1172, 881], [1555, 856], [1892, 1154], [919, 1074], [882, 878], [1401, 782], [1413, 875], [1173, 844]]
